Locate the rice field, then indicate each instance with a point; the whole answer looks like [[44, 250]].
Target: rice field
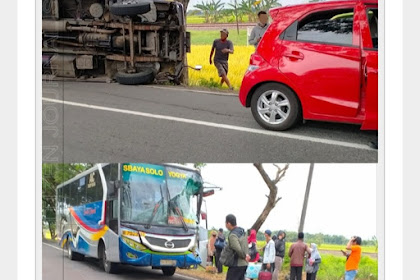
[[208, 77]]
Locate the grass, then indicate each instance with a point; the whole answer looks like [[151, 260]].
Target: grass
[[334, 247], [207, 76], [206, 37]]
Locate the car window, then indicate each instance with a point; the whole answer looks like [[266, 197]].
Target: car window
[[373, 26], [329, 27]]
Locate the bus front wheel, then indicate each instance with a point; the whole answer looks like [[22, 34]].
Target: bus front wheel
[[73, 255], [168, 271], [108, 266]]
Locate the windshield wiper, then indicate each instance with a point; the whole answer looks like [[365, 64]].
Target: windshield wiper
[[157, 205], [174, 207]]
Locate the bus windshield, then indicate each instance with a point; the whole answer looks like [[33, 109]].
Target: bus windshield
[[159, 195]]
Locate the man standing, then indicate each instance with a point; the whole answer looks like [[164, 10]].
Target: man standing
[[280, 246], [297, 255], [352, 263], [259, 30], [222, 48], [269, 252], [237, 241], [220, 244]]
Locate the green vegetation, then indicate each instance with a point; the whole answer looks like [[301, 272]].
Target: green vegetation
[[215, 11], [206, 37]]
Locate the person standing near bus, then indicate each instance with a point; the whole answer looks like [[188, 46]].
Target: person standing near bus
[[297, 255], [238, 246], [269, 252], [352, 263], [280, 245], [221, 49]]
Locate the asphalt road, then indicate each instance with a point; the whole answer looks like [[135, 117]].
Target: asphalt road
[[57, 266], [99, 122]]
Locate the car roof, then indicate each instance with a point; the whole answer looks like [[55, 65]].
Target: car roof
[[309, 6]]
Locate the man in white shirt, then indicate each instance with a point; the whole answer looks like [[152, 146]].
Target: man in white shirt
[[259, 30], [269, 252]]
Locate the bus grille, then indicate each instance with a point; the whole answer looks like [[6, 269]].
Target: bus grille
[[178, 243]]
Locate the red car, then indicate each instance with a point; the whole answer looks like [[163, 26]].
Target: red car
[[316, 62]]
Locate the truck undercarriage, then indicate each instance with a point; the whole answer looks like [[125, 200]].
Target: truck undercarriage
[[130, 41]]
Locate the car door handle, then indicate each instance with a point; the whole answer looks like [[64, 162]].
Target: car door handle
[[294, 54]]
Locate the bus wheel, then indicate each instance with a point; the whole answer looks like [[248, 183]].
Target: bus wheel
[[108, 266], [73, 255], [168, 271]]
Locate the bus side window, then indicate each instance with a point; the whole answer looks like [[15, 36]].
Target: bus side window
[[60, 200], [66, 196], [94, 187], [81, 191], [73, 193], [111, 175]]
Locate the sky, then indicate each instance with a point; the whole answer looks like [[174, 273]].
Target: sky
[[342, 199]]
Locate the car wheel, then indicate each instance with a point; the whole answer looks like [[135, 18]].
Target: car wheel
[[168, 271], [108, 266], [129, 8], [142, 77], [275, 107]]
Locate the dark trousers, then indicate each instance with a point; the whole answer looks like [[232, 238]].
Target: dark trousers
[[236, 273], [311, 276], [218, 264], [295, 273]]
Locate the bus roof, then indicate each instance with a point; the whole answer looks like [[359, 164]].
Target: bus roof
[[95, 167]]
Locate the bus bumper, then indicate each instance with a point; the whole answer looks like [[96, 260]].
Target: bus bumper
[[146, 257]]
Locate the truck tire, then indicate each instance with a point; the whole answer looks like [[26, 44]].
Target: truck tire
[[129, 9], [145, 76]]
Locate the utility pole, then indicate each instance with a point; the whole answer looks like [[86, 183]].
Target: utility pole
[[305, 202]]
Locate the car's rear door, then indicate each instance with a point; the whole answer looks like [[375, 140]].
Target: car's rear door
[[369, 39], [321, 57]]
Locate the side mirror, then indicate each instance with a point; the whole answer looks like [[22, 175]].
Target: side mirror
[[208, 193]]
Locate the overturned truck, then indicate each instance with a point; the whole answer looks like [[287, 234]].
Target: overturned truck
[[130, 41]]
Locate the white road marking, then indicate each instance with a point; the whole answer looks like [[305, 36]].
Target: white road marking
[[217, 125], [195, 90]]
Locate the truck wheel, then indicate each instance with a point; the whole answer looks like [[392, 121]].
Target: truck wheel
[[168, 271], [143, 77], [128, 8], [275, 107]]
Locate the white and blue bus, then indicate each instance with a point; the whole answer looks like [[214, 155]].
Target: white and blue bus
[[133, 213]]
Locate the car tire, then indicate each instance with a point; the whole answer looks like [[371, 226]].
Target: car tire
[[142, 77], [129, 9], [279, 110], [168, 271]]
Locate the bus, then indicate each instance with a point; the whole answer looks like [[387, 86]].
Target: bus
[[139, 214], [130, 41]]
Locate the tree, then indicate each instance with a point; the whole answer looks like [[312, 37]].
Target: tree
[[272, 197], [52, 176]]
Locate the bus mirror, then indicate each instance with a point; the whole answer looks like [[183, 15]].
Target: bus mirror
[[203, 215], [208, 193]]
